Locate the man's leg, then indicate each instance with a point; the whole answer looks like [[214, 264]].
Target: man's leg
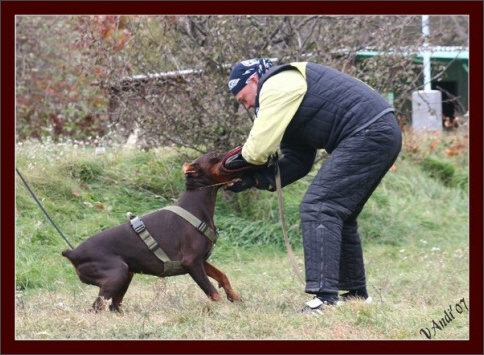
[[337, 194], [351, 267]]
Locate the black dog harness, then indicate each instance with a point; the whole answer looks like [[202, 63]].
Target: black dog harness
[[170, 268]]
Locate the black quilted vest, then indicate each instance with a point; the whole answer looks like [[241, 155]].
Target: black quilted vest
[[335, 106]]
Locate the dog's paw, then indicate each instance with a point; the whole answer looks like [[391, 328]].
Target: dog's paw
[[215, 297], [233, 297], [100, 304]]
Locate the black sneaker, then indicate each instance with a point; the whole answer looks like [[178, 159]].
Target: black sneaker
[[349, 296]]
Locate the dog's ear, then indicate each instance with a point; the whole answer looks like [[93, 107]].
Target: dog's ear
[[189, 168]]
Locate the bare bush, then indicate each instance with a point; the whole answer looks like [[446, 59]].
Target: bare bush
[[124, 56]]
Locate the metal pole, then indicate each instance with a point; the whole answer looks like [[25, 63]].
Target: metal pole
[[426, 53]]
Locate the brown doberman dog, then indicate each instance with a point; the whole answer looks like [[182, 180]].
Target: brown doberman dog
[[109, 258]]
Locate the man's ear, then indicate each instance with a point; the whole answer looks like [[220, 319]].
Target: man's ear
[[255, 79]]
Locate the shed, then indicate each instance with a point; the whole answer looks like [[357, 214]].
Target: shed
[[454, 84]]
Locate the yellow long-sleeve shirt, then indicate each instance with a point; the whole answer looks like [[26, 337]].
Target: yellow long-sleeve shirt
[[279, 99]]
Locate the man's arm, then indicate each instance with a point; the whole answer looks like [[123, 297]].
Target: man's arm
[[279, 99]]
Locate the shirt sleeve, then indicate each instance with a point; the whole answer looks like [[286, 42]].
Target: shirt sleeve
[[279, 99]]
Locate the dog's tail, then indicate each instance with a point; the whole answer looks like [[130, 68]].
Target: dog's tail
[[67, 253]]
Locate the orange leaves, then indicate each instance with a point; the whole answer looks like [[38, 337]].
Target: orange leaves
[[455, 149], [98, 71], [103, 32], [434, 143], [111, 30], [122, 38], [450, 145], [88, 199], [105, 25]]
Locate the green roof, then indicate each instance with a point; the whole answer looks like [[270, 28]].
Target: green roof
[[446, 53]]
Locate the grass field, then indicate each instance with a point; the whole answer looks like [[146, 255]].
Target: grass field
[[414, 228]]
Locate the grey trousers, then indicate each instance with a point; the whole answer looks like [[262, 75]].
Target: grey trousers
[[329, 210]]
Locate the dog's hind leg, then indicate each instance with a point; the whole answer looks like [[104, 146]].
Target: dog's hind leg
[[118, 298], [222, 280], [113, 281]]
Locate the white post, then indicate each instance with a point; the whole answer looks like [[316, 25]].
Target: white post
[[426, 103], [426, 53], [427, 110]]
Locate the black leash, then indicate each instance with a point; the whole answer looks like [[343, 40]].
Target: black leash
[[290, 252], [42, 207]]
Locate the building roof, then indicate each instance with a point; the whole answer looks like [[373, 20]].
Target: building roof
[[447, 53], [436, 52]]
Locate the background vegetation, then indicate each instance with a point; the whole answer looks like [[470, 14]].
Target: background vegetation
[[414, 231], [93, 77]]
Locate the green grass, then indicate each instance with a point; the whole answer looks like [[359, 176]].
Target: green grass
[[414, 231]]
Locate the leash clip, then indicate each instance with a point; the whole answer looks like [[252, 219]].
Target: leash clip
[[273, 159]]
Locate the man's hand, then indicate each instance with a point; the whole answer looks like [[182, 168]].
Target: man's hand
[[263, 180]]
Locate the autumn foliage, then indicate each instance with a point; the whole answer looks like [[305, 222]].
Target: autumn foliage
[[96, 78]]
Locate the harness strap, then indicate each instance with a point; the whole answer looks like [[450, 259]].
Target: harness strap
[[169, 267], [194, 221]]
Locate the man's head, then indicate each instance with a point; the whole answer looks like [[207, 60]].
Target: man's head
[[244, 78]]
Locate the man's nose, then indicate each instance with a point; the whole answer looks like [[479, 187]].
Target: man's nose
[[248, 105]]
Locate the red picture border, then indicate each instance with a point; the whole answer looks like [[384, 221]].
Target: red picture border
[[8, 11]]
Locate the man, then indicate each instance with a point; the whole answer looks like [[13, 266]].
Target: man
[[301, 107]]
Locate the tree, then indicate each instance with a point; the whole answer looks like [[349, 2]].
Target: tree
[[123, 54], [53, 97]]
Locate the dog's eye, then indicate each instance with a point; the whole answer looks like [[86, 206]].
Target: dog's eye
[[214, 159]]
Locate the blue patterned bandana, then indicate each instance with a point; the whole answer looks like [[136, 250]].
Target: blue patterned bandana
[[242, 71]]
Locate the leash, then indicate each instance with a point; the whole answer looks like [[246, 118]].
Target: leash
[[220, 183], [48, 216], [42, 208], [290, 252]]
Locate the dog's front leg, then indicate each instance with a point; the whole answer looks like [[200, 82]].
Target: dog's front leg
[[222, 280], [197, 271]]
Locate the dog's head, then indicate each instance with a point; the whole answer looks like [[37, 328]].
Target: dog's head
[[206, 170]]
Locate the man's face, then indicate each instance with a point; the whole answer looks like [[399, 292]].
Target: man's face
[[247, 95]]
